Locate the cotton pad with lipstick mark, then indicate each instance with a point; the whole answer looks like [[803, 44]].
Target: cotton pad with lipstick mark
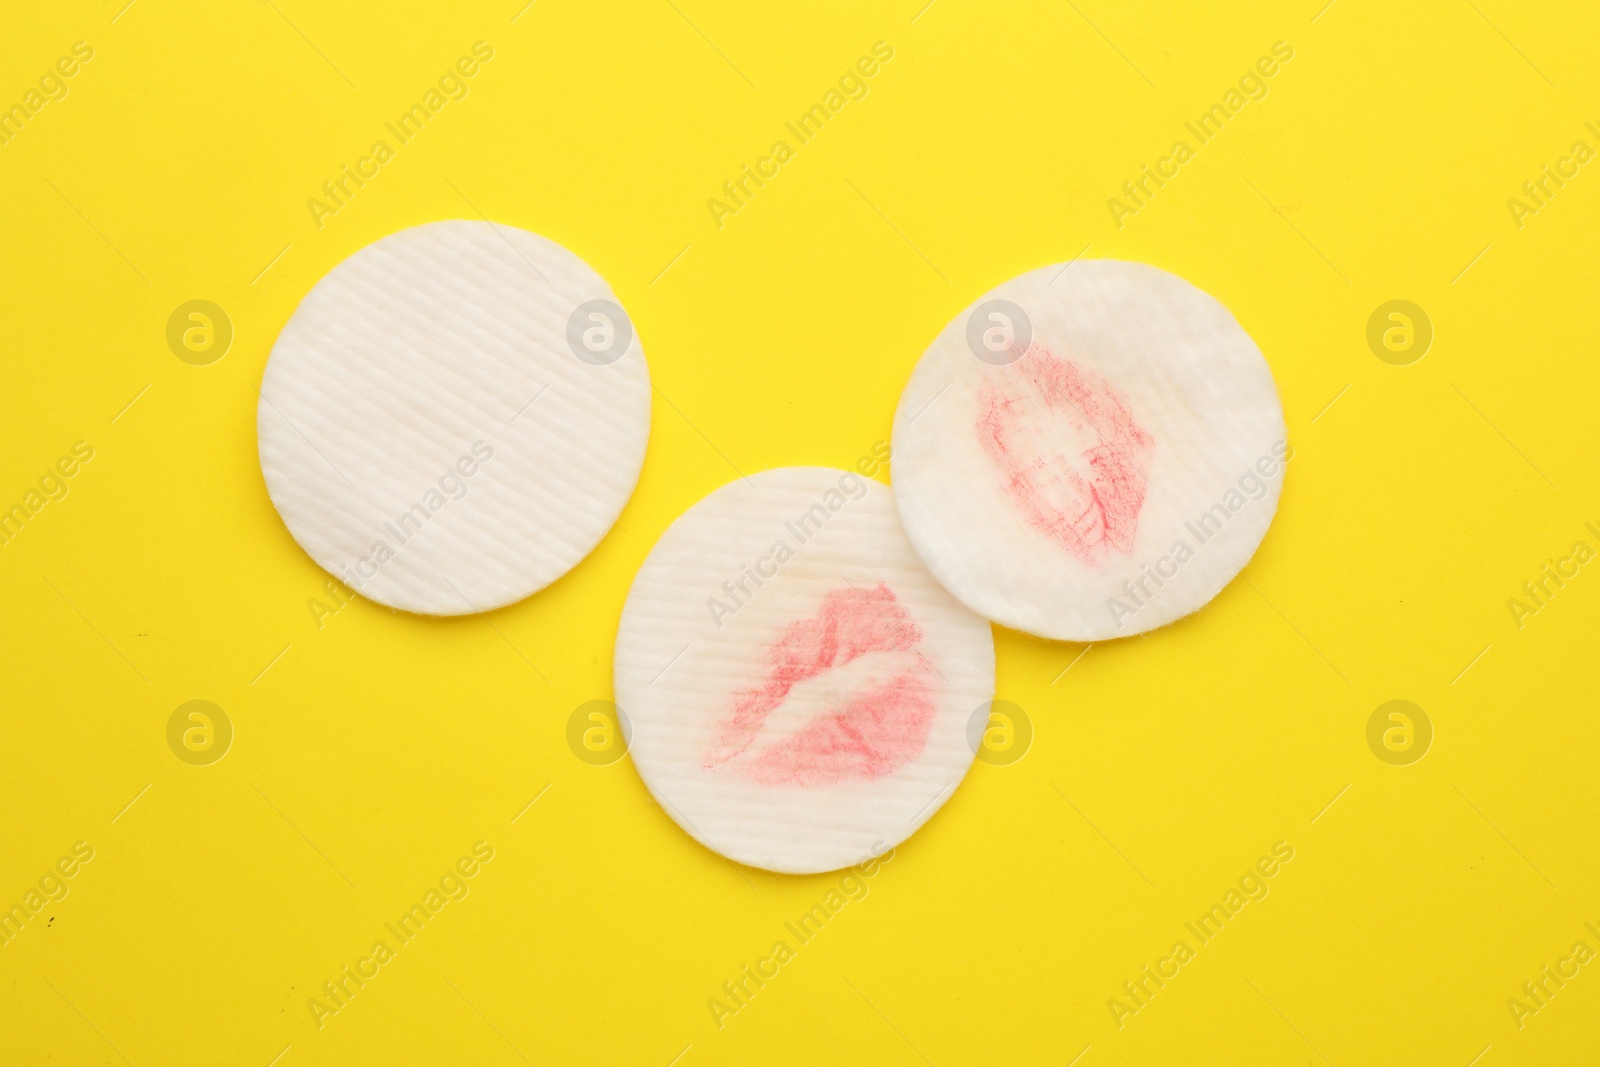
[[799, 686], [1091, 450], [454, 417]]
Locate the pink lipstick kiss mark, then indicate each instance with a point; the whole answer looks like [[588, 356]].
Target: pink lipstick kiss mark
[[873, 732], [1085, 494]]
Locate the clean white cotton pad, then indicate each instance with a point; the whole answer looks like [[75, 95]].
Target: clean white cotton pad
[[799, 686], [454, 417], [1089, 451]]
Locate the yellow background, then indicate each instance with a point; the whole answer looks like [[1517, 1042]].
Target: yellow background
[[377, 748]]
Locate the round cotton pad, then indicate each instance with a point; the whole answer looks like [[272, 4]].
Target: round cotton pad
[[798, 684], [454, 417], [1089, 451]]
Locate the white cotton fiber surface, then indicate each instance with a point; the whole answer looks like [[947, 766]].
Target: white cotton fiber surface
[[1089, 451], [454, 417], [798, 685]]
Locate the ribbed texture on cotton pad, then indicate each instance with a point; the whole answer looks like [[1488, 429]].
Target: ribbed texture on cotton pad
[[1062, 493], [900, 645], [401, 360]]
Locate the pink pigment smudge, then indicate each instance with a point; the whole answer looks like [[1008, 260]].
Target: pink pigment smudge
[[1086, 494], [877, 730]]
